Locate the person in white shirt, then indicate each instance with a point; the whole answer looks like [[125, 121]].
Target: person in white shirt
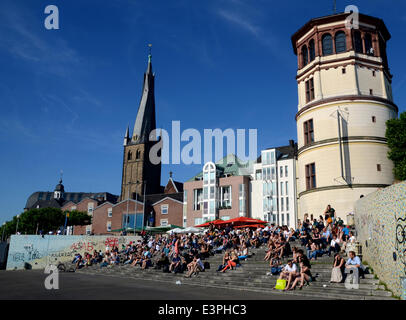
[[334, 245], [287, 270], [289, 273]]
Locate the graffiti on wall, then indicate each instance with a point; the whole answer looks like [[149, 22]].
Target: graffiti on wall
[[38, 251], [380, 220], [400, 244]]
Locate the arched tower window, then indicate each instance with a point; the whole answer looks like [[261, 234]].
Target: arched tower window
[[138, 154], [368, 44], [327, 44], [358, 42], [340, 42], [311, 50], [129, 155], [305, 57]]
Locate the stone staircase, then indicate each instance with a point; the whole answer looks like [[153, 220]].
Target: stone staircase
[[252, 276]]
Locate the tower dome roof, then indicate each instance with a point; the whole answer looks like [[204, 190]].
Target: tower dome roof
[[60, 187]]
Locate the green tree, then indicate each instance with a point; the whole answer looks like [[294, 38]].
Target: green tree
[[78, 218], [396, 135], [45, 219]]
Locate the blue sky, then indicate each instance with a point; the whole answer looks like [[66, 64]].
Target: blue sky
[[67, 95]]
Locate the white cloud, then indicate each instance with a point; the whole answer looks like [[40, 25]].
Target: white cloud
[[240, 21], [242, 17]]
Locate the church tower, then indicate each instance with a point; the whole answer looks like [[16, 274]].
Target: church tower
[[344, 101], [138, 170]]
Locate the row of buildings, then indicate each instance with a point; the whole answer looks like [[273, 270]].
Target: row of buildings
[[344, 101]]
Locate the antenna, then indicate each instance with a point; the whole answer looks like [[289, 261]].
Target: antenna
[[61, 175], [335, 7]]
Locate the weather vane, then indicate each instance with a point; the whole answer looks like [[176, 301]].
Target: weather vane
[[150, 46]]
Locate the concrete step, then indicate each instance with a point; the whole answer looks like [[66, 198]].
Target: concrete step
[[309, 293], [252, 276], [229, 278]]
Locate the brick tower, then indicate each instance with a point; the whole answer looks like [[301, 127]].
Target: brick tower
[[138, 170]]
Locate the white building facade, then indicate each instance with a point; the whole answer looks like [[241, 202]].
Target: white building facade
[[273, 186]]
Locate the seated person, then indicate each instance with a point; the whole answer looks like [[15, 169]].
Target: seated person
[[175, 262], [305, 273], [315, 251], [289, 268], [106, 261], [147, 259], [334, 245], [338, 266], [304, 238], [232, 262], [289, 273], [355, 262], [243, 252], [226, 258], [163, 261]]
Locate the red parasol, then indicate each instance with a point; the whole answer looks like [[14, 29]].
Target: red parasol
[[243, 221], [257, 225], [207, 224]]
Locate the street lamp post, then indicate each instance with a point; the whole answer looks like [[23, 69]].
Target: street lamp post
[[136, 206], [143, 211], [18, 218]]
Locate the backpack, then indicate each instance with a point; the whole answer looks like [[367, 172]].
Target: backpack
[[207, 265], [165, 269]]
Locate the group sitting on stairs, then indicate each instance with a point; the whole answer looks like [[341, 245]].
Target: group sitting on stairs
[[179, 253], [185, 253], [318, 237]]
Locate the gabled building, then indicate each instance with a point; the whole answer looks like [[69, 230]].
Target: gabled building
[[160, 210]]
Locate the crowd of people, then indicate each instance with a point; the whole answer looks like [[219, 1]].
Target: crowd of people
[[186, 253], [179, 253], [319, 237]]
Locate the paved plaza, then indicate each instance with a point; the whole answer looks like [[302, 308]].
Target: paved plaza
[[30, 285]]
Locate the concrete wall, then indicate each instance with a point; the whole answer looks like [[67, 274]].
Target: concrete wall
[[39, 251], [380, 220]]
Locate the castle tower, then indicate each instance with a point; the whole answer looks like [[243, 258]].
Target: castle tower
[[345, 98], [138, 170]]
